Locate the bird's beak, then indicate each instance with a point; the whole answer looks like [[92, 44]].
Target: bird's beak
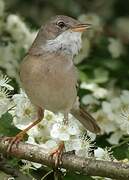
[[80, 27]]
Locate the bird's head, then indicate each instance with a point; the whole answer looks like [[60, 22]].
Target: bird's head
[[61, 33]]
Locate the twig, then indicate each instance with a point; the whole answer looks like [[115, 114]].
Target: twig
[[125, 141], [88, 166], [49, 172]]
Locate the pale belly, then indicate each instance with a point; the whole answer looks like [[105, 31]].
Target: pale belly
[[51, 86]]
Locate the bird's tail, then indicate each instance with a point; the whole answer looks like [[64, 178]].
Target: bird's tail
[[86, 119]]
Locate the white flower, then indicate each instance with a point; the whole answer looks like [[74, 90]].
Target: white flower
[[36, 165], [98, 92], [4, 101], [29, 165], [19, 41], [106, 125], [115, 137], [19, 30], [103, 154], [82, 146], [99, 153], [60, 132], [24, 112], [107, 109], [9, 59], [4, 94], [41, 132], [115, 47], [114, 116], [124, 120], [91, 135], [90, 100], [109, 117], [4, 80], [125, 97], [116, 103], [112, 108], [88, 86], [63, 132], [51, 144]]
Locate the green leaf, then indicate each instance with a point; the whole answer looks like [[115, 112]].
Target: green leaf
[[101, 75], [121, 152], [6, 127], [83, 76]]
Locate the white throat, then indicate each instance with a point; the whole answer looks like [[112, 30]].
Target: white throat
[[69, 42]]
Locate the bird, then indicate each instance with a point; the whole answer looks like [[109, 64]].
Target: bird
[[49, 76]]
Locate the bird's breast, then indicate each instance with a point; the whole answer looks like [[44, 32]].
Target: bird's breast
[[49, 81]]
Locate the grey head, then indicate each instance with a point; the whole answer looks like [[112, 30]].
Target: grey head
[[60, 33]]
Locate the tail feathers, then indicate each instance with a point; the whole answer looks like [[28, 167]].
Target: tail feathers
[[86, 119]]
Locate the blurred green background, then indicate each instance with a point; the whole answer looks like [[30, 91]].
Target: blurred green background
[[37, 11]]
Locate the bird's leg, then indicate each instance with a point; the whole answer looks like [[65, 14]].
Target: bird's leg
[[16, 139], [65, 120], [57, 154]]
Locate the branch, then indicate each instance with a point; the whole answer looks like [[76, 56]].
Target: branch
[[88, 166]]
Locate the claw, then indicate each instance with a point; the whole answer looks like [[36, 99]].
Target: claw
[[13, 141], [57, 155]]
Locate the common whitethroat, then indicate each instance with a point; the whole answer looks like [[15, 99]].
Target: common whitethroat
[[48, 74]]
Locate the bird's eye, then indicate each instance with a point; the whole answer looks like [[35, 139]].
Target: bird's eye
[[61, 24]]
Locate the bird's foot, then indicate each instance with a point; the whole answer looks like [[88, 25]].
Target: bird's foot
[[14, 140], [57, 155]]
